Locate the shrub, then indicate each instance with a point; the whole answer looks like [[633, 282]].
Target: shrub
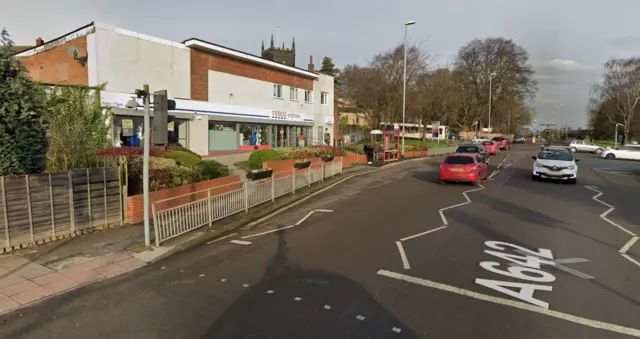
[[258, 157], [309, 152], [163, 174], [209, 169], [183, 149], [130, 151], [354, 148], [183, 158]]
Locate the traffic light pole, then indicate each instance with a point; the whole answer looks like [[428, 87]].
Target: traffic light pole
[[145, 167]]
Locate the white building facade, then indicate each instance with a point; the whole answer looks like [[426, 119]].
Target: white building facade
[[226, 100]]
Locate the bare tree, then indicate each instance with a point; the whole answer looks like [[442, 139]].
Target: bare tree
[[618, 96]]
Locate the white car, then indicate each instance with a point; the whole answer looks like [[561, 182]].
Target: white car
[[626, 152], [584, 146], [479, 139], [555, 163]]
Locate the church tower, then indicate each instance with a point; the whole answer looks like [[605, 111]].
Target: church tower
[[281, 55]]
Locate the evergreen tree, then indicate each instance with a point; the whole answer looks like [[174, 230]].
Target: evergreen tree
[[23, 134], [329, 68]]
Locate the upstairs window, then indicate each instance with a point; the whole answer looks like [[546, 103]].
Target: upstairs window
[[293, 94], [308, 98], [277, 91], [324, 98]]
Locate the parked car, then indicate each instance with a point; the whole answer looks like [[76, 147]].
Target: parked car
[[474, 149], [518, 139], [503, 142], [555, 163], [491, 147], [463, 167], [626, 152], [584, 146]]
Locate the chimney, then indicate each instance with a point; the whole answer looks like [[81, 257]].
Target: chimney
[[39, 41], [310, 67]]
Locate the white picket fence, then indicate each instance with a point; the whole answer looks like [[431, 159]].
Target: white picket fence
[[204, 207]]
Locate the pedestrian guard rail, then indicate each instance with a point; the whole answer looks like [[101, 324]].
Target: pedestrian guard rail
[[173, 217]]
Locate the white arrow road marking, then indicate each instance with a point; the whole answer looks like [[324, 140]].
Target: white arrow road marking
[[515, 304]]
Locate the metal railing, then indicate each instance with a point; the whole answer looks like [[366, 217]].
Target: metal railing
[[206, 206]]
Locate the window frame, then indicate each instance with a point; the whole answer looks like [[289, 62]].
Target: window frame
[[308, 93], [277, 91], [295, 97], [324, 98]]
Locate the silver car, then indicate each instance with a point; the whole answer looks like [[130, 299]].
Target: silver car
[[584, 146]]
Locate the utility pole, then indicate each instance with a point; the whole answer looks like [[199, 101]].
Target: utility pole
[[145, 166], [561, 120]]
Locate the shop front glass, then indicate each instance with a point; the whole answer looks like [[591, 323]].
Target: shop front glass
[[252, 135], [222, 136], [127, 131]]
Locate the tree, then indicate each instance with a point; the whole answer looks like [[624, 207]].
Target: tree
[[23, 136], [504, 66], [618, 96], [329, 68], [76, 111]]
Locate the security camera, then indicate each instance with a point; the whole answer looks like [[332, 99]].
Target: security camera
[[132, 103]]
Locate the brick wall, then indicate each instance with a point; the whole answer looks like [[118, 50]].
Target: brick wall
[[202, 62], [57, 66], [135, 204]]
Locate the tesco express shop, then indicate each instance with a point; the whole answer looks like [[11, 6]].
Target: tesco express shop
[[206, 127]]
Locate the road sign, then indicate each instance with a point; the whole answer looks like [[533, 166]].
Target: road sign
[[396, 127], [435, 128], [534, 130]]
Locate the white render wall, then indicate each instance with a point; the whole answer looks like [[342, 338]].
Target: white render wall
[[126, 60], [325, 112]]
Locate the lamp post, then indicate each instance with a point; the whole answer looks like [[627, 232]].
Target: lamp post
[[490, 98], [615, 142], [404, 80], [535, 126], [561, 120]]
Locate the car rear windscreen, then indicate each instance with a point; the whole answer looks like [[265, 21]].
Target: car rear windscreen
[[487, 143], [467, 149], [498, 139], [459, 160]]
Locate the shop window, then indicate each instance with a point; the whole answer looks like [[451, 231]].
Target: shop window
[[293, 94], [324, 98], [254, 134], [277, 91], [222, 125], [307, 97]]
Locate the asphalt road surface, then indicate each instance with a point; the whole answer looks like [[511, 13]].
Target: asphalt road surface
[[392, 254]]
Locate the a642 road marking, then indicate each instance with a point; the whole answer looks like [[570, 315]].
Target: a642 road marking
[[522, 267]]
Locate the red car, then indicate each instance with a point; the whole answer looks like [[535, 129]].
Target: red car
[[491, 147], [463, 167], [502, 142]]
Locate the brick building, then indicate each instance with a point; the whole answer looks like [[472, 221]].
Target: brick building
[[226, 99]]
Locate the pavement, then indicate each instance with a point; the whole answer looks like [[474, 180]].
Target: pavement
[[390, 254]]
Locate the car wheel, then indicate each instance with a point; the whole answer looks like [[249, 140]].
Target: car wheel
[[573, 149], [534, 177], [599, 150], [573, 181], [610, 156], [442, 182]]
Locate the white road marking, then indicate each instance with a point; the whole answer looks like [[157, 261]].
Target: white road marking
[[310, 213], [423, 233], [395, 329], [464, 194], [297, 298], [223, 280], [163, 267], [270, 292], [240, 242], [225, 237], [201, 275], [622, 173], [515, 304], [245, 285], [267, 232], [626, 256], [361, 318], [603, 216], [403, 256], [326, 307], [628, 245]]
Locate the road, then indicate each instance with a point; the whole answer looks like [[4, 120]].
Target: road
[[371, 259]]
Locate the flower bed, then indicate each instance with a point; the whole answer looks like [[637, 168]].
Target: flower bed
[[300, 164]]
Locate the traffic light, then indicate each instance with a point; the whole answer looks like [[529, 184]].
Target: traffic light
[[161, 107]]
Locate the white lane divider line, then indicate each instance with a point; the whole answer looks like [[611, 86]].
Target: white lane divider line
[[634, 238], [628, 245], [423, 233], [515, 304], [603, 216], [403, 256], [464, 194], [225, 237], [267, 232], [240, 242], [290, 226]]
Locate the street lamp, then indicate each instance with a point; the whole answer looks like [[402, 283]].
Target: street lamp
[[535, 129], [561, 120], [404, 80], [490, 98], [615, 142]]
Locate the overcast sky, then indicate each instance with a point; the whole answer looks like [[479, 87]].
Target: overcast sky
[[568, 40]]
